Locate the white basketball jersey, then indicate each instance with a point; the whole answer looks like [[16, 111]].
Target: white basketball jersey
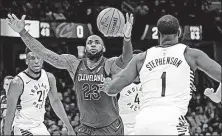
[[129, 105], [129, 99], [32, 100], [166, 78]]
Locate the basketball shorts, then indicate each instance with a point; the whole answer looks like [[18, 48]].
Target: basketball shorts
[[160, 121], [39, 130], [116, 128]]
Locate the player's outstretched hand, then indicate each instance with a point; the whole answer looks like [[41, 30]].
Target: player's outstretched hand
[[71, 132], [208, 92], [16, 24], [127, 29]]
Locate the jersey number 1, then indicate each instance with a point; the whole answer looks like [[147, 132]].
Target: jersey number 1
[[163, 77]]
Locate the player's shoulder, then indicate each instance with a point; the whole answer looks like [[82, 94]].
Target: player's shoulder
[[140, 56], [17, 80], [110, 61], [17, 84], [193, 53]]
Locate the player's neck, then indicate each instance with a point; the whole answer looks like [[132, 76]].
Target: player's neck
[[32, 74], [168, 42], [93, 63]]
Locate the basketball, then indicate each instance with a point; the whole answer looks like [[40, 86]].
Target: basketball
[[110, 22]]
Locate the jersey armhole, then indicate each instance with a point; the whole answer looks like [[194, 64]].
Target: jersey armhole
[[184, 52], [105, 70], [22, 84], [77, 70], [48, 79], [19, 99]]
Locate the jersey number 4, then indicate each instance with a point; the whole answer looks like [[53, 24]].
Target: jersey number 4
[[163, 77], [90, 91], [137, 99]]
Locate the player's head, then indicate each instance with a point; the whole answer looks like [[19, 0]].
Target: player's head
[[168, 25], [6, 82], [33, 61], [94, 47]]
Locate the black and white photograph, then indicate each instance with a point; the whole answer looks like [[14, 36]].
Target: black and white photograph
[[110, 67]]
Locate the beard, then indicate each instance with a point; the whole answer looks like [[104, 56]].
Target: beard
[[95, 57]]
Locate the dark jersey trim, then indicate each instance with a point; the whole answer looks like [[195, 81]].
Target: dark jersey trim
[[37, 78], [19, 107], [77, 71], [91, 70]]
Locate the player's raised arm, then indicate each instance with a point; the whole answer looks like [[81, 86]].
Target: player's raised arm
[[58, 61], [127, 50], [126, 76], [15, 90], [57, 104]]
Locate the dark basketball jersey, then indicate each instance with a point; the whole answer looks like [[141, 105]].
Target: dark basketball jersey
[[96, 108]]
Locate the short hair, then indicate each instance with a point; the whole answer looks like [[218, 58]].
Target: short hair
[[137, 51], [168, 24], [27, 50], [8, 78]]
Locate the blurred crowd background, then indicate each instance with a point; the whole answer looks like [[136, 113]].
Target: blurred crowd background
[[204, 116]]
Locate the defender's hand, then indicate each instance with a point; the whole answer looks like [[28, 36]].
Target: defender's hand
[[208, 92], [16, 24]]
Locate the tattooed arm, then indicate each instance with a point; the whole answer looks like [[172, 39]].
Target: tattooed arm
[[56, 60]]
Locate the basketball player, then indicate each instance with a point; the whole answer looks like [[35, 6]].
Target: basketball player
[[30, 89], [7, 80], [98, 112], [214, 96], [166, 75]]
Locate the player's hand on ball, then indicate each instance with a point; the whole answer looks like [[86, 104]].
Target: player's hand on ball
[[208, 92], [16, 24], [127, 29], [71, 132]]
